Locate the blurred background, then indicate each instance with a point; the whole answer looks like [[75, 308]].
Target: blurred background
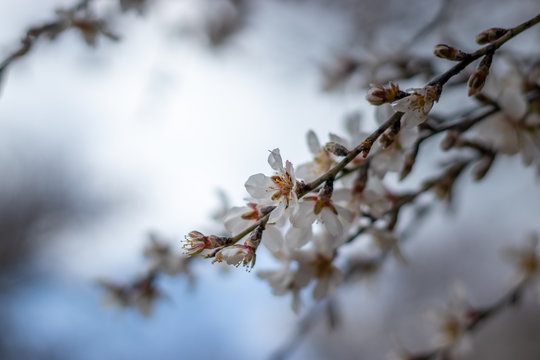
[[100, 145]]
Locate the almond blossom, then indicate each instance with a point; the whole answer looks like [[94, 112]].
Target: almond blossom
[[392, 157], [511, 130], [527, 261], [278, 190], [196, 242], [282, 282], [322, 161], [317, 263], [355, 137], [321, 207], [240, 218], [417, 106], [451, 322], [237, 255]]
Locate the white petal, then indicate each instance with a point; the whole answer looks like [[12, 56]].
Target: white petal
[[306, 172], [298, 237], [408, 136], [342, 195], [412, 119], [257, 186], [277, 213], [236, 224], [331, 222], [275, 161], [513, 103], [272, 238], [402, 105], [385, 111], [529, 152], [344, 213], [313, 142], [304, 215], [352, 123], [321, 289], [339, 140], [290, 169]]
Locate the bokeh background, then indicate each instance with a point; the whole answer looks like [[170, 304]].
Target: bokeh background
[[101, 145]]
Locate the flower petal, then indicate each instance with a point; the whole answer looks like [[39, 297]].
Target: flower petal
[[313, 142], [275, 161], [257, 186], [331, 222], [272, 238], [304, 215]]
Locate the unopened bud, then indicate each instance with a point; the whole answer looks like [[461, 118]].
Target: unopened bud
[[408, 163], [448, 52], [256, 237], [482, 167], [478, 78], [490, 35], [361, 181], [266, 210], [336, 149], [378, 94], [449, 141], [325, 194]]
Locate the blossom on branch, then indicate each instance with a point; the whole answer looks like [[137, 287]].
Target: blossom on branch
[[321, 163], [278, 190], [237, 255], [196, 242], [321, 207], [417, 105]]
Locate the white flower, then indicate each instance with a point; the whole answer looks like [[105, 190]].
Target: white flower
[[510, 130], [237, 255], [240, 218], [317, 263], [322, 208], [452, 321], [373, 199], [416, 106], [527, 260], [355, 137], [322, 162], [278, 190], [282, 282], [391, 158]]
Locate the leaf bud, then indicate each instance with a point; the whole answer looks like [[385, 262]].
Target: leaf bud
[[448, 52], [490, 35], [478, 78]]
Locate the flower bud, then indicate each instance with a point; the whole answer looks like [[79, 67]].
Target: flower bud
[[196, 242], [448, 52], [408, 163], [482, 167], [478, 78], [490, 35], [336, 149], [378, 94], [449, 141]]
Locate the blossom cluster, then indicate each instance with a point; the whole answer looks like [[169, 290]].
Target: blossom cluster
[[339, 214]]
